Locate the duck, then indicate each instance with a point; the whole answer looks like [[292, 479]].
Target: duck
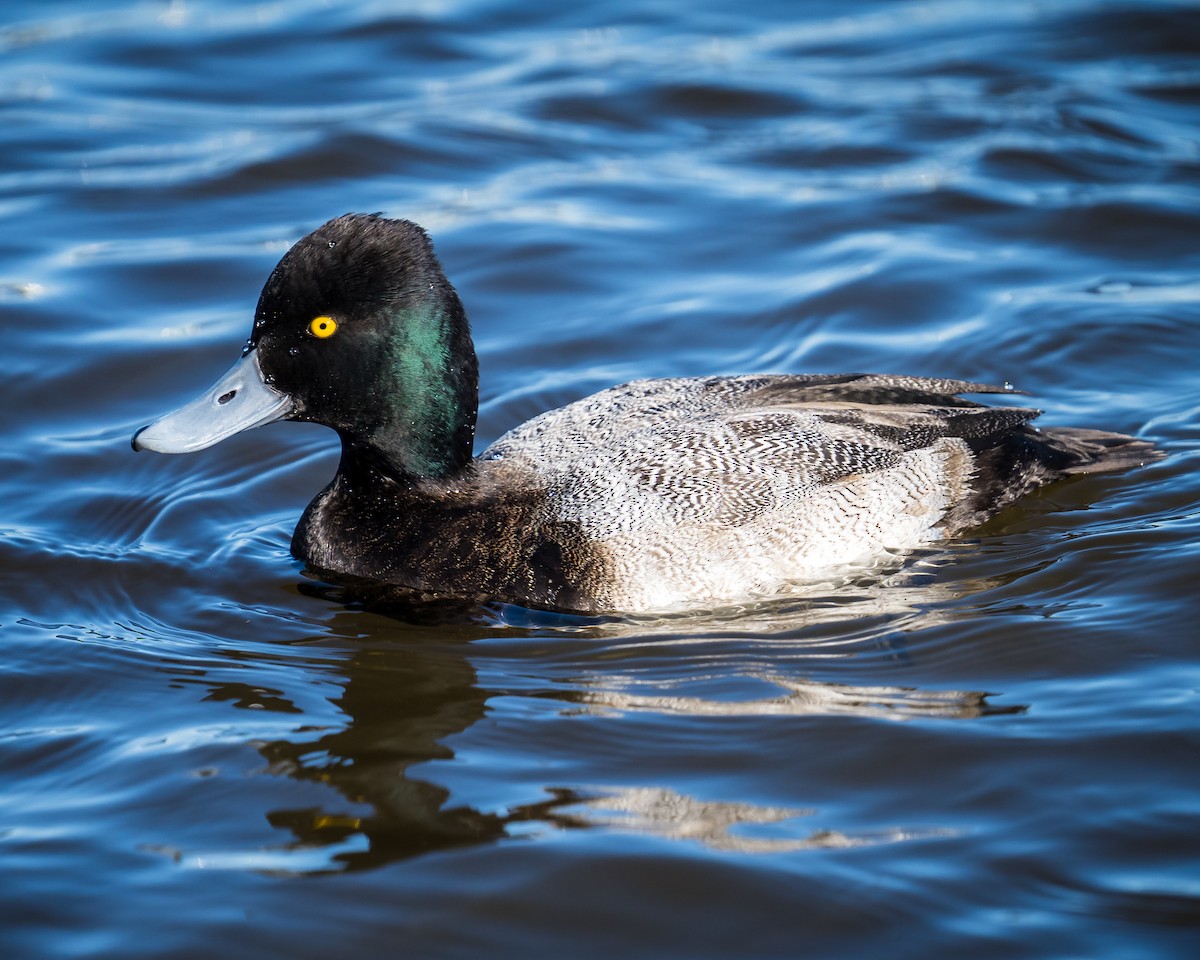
[[655, 495]]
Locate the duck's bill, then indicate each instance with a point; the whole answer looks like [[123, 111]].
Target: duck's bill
[[239, 401]]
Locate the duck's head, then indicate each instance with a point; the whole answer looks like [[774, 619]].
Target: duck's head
[[357, 328]]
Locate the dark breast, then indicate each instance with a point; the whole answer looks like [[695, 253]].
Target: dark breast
[[480, 538]]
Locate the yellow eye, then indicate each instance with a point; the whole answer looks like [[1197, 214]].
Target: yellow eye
[[322, 327]]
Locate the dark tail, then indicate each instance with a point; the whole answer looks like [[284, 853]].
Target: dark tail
[[1012, 464], [1077, 450]]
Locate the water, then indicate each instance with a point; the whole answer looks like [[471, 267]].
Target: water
[[987, 749]]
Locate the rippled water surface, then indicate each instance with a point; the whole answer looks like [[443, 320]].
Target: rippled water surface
[[990, 749]]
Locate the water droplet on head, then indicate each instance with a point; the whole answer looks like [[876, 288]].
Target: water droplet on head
[[332, 244], [293, 351]]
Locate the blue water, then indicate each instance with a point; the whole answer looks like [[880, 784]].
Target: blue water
[[989, 749]]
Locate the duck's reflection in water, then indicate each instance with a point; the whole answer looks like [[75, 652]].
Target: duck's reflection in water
[[401, 704], [407, 697]]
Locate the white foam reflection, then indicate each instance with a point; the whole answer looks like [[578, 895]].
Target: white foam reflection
[[805, 698], [728, 826]]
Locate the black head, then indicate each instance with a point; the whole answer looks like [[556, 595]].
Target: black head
[[357, 328], [360, 328]]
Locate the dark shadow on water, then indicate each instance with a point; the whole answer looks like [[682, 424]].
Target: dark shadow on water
[[408, 692], [443, 611]]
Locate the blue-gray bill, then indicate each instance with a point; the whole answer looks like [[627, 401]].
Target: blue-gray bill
[[239, 401]]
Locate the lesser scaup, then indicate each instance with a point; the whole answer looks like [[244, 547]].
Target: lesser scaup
[[652, 495]]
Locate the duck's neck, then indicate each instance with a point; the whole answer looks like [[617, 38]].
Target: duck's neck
[[428, 404]]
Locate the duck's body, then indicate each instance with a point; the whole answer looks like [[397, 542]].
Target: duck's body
[[656, 494], [682, 492]]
